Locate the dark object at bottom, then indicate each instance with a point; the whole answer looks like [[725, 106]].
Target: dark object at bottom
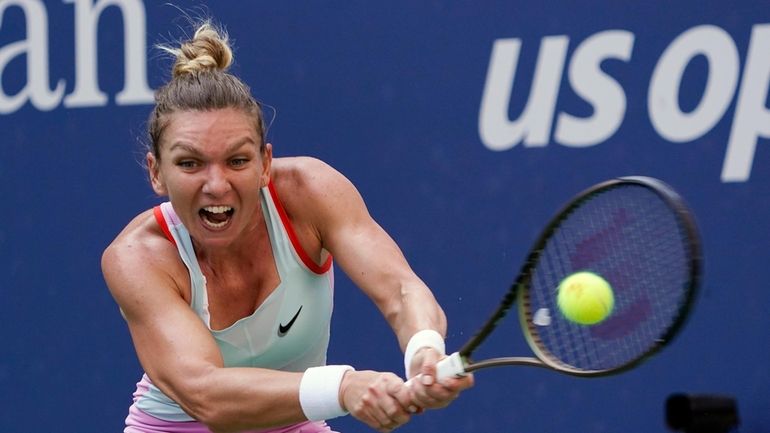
[[701, 413]]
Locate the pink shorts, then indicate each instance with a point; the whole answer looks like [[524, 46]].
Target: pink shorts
[[140, 422]]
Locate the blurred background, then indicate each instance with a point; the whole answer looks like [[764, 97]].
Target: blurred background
[[465, 126]]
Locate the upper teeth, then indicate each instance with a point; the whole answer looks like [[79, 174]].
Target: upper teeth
[[217, 209]]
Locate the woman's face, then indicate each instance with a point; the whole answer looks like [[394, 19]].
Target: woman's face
[[211, 168]]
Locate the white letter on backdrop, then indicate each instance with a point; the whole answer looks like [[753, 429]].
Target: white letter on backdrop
[[36, 47], [600, 90], [663, 97], [87, 92], [496, 129], [752, 119]]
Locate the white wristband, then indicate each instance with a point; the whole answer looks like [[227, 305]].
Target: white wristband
[[319, 392], [424, 338]]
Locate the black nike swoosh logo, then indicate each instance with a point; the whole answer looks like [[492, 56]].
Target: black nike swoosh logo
[[283, 329]]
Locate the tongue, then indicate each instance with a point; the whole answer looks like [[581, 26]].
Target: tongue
[[216, 217]]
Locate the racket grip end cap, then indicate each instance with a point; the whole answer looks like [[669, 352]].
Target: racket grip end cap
[[452, 365]]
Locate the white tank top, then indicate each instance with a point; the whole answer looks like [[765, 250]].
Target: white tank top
[[289, 331]]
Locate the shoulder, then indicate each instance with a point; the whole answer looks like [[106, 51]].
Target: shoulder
[[309, 181], [303, 173], [315, 193], [142, 236], [140, 251]]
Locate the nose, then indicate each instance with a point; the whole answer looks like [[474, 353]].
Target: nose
[[217, 184]]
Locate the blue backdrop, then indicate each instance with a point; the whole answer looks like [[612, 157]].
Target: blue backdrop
[[464, 124]]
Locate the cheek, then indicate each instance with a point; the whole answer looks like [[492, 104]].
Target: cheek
[[178, 186]]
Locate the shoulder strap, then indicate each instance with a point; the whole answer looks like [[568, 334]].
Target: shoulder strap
[[303, 255], [162, 223]]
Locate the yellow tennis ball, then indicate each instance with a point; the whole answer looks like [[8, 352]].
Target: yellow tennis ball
[[585, 298]]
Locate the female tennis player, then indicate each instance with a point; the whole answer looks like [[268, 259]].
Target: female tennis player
[[227, 287]]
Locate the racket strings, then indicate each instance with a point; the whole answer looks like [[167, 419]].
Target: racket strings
[[631, 237]]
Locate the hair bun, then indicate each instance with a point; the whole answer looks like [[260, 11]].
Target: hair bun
[[208, 50]]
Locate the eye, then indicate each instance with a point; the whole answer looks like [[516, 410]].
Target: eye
[[239, 162], [187, 163]]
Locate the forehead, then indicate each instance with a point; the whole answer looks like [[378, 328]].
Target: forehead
[[203, 129]]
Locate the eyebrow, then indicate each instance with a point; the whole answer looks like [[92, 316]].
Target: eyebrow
[[188, 148]]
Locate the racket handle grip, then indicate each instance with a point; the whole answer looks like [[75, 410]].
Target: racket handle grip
[[452, 365]]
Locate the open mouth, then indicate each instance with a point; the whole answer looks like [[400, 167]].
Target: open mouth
[[216, 216]]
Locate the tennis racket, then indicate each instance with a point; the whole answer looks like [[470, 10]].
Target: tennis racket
[[635, 232]]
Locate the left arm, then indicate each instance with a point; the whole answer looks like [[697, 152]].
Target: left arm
[[374, 262], [366, 253]]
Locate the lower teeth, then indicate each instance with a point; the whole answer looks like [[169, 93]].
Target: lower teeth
[[213, 224]]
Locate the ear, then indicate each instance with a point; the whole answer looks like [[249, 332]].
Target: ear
[[267, 162], [156, 179]]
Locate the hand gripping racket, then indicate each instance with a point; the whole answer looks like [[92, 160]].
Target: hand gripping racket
[[635, 232]]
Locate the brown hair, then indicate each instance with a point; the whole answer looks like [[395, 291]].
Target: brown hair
[[200, 82]]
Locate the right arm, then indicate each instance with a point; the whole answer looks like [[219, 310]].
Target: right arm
[[143, 273]]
